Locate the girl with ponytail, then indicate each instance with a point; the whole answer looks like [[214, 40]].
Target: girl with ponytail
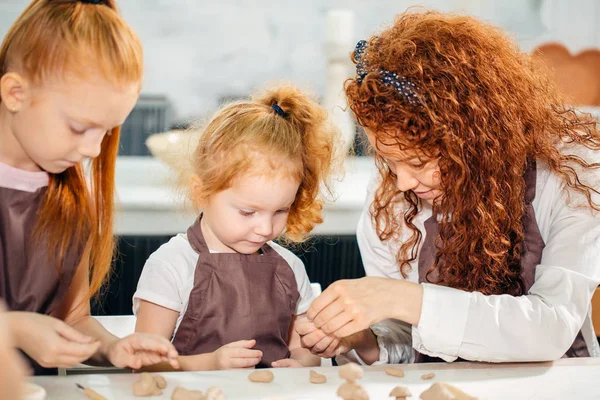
[[70, 73], [226, 295]]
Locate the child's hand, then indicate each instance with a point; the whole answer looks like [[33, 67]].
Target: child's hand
[[287, 363], [51, 342], [140, 349], [236, 355]]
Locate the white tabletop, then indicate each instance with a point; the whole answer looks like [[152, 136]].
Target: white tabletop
[[564, 379]]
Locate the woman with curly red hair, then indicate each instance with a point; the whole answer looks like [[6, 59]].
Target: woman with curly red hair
[[485, 210]]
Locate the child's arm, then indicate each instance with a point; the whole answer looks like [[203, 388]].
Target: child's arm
[[299, 356], [133, 351], [152, 318]]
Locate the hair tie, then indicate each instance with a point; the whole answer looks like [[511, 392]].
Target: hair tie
[[279, 110], [92, 1]]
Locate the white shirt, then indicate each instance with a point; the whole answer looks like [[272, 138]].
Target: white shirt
[[539, 326], [168, 277]]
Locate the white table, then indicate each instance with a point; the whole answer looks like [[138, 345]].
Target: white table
[[564, 379]]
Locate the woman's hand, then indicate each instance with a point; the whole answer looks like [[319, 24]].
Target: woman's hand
[[350, 306], [49, 341], [141, 349]]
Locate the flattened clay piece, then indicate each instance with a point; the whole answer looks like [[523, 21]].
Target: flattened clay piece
[[161, 382], [214, 393], [395, 372], [183, 394], [445, 391], [352, 391], [428, 376], [400, 393], [261, 376], [316, 377], [145, 386], [350, 372]]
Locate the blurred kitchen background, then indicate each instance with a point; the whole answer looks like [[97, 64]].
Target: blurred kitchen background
[[200, 53]]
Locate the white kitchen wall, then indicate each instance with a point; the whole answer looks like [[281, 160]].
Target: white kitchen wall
[[198, 51]]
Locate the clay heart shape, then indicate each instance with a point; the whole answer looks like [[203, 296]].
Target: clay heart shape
[[578, 76]]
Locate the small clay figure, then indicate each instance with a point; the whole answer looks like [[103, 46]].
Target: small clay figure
[[352, 391], [350, 372], [317, 378], [263, 376], [395, 372], [400, 393], [183, 394]]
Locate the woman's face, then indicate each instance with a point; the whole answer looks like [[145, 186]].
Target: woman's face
[[412, 171]]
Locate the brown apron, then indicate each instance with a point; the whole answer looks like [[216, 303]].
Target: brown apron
[[533, 247], [238, 297], [28, 282]]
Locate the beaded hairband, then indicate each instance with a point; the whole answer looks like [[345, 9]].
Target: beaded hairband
[[402, 85]]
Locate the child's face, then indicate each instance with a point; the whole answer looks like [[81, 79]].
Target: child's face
[[253, 211], [64, 121], [411, 173]]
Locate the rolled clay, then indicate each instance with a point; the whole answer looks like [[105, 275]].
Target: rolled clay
[[445, 391], [263, 376], [352, 391], [317, 378], [146, 386], [350, 372], [214, 393], [428, 376], [400, 393], [395, 372], [161, 382], [183, 394]]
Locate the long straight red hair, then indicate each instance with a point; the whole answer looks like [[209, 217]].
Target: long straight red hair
[[50, 39]]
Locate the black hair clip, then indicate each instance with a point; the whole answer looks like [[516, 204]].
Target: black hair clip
[[92, 1], [279, 110]]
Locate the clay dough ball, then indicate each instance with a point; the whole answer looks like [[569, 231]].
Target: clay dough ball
[[317, 378], [183, 394], [445, 391], [400, 392], [263, 376], [350, 372], [146, 386], [395, 372], [214, 393], [352, 391], [428, 376], [161, 382]]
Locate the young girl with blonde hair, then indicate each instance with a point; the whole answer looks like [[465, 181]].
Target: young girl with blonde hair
[[224, 292]]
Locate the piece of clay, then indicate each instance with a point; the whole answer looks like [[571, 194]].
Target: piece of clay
[[428, 376], [317, 378], [183, 394], [445, 391], [400, 393], [395, 372], [146, 386], [214, 393], [263, 376], [352, 391], [161, 382], [350, 372]]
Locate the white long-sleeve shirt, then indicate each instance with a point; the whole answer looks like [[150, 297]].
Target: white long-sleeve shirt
[[539, 326]]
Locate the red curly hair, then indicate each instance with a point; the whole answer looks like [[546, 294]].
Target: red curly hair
[[485, 110]]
